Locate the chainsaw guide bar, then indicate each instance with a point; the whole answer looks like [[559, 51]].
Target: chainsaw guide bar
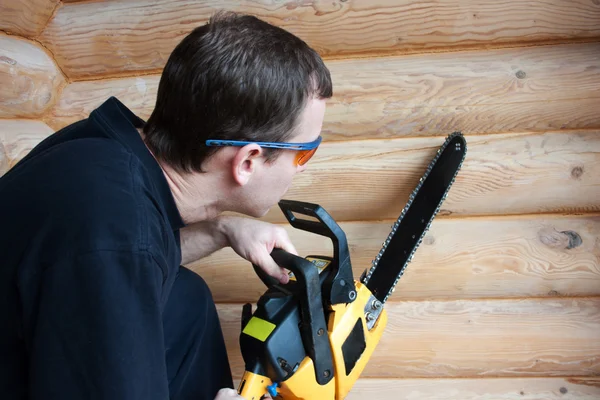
[[413, 223]]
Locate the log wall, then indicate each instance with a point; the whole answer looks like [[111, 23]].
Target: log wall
[[502, 299]]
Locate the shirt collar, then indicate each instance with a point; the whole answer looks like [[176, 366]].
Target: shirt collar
[[122, 124]]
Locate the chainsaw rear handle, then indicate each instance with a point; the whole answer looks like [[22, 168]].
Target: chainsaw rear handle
[[339, 286], [313, 329], [314, 326]]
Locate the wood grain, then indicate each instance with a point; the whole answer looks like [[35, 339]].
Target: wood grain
[[117, 37], [79, 99], [29, 79], [457, 339], [17, 138], [471, 258], [508, 90], [474, 389], [26, 17], [470, 77], [502, 174], [380, 120]]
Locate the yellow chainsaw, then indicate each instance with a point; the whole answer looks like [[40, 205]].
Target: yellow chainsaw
[[312, 337]]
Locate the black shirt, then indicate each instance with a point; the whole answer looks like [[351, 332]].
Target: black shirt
[[89, 249]]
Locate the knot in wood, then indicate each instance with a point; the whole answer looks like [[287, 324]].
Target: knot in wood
[[560, 240], [574, 239], [7, 60]]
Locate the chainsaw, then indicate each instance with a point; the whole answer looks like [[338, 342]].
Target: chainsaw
[[312, 337]]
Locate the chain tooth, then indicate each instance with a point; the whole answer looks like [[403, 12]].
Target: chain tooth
[[395, 226]]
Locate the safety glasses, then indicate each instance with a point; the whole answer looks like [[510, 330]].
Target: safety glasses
[[305, 151]]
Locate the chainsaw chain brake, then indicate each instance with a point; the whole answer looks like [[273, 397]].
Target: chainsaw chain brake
[[374, 306]]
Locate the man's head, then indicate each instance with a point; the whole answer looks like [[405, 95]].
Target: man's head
[[239, 78]]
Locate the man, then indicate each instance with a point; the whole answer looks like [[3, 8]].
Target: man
[[98, 218]]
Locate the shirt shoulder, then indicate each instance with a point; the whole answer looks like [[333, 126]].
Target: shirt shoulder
[[92, 190]]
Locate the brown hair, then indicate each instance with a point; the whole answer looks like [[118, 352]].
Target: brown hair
[[234, 78]]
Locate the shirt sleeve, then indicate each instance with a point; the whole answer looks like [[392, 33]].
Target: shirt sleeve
[[98, 329]]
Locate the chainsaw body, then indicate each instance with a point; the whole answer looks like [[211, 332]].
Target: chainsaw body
[[309, 339]]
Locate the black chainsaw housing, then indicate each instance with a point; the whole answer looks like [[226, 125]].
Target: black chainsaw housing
[[300, 326], [281, 353]]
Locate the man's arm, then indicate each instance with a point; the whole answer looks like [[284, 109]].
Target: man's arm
[[97, 331], [251, 239], [201, 239]]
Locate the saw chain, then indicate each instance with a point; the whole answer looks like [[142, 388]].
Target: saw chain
[[413, 223]]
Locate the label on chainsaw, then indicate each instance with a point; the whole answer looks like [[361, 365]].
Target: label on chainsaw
[[318, 262], [259, 329]]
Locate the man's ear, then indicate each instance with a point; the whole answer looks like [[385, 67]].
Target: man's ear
[[245, 162]]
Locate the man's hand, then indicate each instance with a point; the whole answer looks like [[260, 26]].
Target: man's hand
[[251, 239], [230, 394], [254, 241]]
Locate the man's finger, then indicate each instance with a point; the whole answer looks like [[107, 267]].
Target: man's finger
[[266, 262], [283, 241]]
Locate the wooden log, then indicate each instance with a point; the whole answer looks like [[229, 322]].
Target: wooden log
[[472, 258], [505, 90], [458, 339], [502, 174], [387, 121], [96, 38], [26, 17], [29, 78], [79, 99], [17, 138], [477, 389]]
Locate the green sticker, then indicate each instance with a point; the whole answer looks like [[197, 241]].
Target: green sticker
[[259, 328]]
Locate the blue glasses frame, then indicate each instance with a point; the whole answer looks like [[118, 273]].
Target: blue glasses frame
[[273, 145]]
